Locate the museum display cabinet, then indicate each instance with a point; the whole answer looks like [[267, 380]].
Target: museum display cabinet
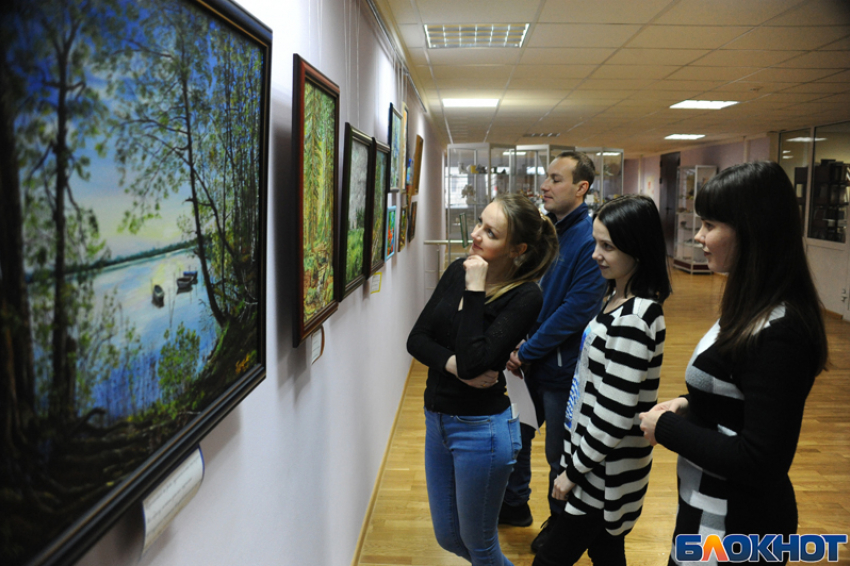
[[688, 253]]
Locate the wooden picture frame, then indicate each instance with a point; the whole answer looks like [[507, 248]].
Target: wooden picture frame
[[315, 144], [133, 321], [396, 139], [411, 223], [354, 219], [402, 227], [379, 189], [417, 165], [391, 232]]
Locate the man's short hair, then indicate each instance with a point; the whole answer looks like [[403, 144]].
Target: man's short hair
[[584, 169]]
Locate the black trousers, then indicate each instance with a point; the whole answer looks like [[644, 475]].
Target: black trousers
[[572, 535]]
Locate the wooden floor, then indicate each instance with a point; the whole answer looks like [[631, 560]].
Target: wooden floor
[[399, 531]]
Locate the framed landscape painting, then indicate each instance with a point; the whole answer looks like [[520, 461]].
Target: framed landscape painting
[[391, 232], [357, 162], [378, 203], [315, 125], [396, 137], [402, 228], [417, 165], [411, 223], [132, 272]]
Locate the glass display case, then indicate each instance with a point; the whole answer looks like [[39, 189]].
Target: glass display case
[[608, 184], [475, 174], [532, 161], [830, 197], [688, 253]]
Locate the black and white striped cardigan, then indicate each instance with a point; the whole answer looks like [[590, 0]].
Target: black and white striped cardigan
[[606, 455]]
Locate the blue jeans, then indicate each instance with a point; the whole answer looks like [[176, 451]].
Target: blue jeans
[[553, 405], [467, 464]]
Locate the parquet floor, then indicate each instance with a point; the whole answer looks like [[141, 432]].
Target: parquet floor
[[399, 531]]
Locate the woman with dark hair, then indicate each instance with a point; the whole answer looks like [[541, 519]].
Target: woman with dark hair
[[482, 307], [606, 459], [736, 430]]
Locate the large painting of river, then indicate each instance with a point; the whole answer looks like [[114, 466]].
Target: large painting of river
[[133, 177]]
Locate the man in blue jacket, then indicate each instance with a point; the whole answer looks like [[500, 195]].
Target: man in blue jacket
[[572, 295]]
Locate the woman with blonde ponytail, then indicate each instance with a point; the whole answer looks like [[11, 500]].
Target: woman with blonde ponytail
[[482, 307]]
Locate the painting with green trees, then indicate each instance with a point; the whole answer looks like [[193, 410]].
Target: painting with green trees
[[356, 161], [379, 203], [316, 127], [132, 187]]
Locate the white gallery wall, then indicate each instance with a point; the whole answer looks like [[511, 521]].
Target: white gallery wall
[[290, 472]]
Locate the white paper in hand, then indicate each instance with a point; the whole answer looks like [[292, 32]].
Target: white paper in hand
[[518, 392]]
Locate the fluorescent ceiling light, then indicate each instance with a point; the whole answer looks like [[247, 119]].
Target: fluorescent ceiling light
[[705, 104], [615, 153], [548, 135], [684, 136], [441, 36], [470, 102], [513, 152], [806, 140]]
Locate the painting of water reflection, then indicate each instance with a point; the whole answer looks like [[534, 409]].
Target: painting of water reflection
[[134, 179]]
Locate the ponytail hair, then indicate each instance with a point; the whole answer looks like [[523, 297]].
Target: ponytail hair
[[526, 226]]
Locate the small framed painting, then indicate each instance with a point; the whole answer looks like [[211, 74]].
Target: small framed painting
[[391, 232], [378, 190], [402, 228], [411, 221], [357, 159], [417, 166], [396, 137]]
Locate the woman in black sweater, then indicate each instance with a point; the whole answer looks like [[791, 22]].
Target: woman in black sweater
[[482, 307], [736, 431]]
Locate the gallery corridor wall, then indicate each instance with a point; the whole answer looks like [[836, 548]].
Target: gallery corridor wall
[[290, 472]]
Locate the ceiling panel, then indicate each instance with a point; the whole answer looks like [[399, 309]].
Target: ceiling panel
[[473, 12], [820, 60], [580, 35], [745, 58], [677, 57], [686, 37], [520, 94], [528, 83], [472, 72], [556, 55], [465, 85], [615, 84], [816, 13], [820, 87], [403, 12], [713, 73], [474, 56], [789, 38], [608, 71], [683, 85], [566, 71], [602, 11], [412, 35], [724, 12], [791, 75]]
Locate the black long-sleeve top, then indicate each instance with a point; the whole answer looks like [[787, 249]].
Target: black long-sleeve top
[[741, 431], [481, 336]]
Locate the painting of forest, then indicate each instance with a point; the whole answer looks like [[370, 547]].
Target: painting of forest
[[396, 148], [379, 203], [315, 121], [132, 184], [357, 159]]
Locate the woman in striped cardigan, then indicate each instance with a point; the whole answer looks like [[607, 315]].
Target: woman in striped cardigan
[[606, 459]]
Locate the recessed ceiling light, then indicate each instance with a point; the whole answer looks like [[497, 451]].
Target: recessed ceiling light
[[705, 104], [805, 140], [470, 102], [442, 36], [684, 136]]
